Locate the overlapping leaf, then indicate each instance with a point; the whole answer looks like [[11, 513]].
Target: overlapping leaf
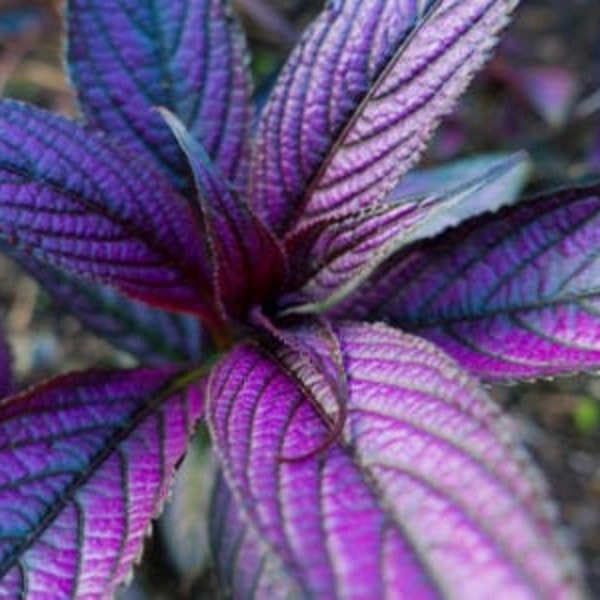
[[247, 259], [359, 99], [512, 295], [85, 464], [426, 494], [338, 256], [76, 202], [185, 55]]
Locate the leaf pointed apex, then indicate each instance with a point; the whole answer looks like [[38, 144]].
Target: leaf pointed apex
[[358, 101], [86, 461], [247, 259]]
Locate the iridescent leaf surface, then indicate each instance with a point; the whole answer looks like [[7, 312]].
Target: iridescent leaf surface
[[74, 201], [359, 99], [85, 464], [188, 56], [247, 259], [340, 255], [426, 494], [512, 295]]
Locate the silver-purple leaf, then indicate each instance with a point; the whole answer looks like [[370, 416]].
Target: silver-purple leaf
[[426, 494], [513, 295], [75, 201], [86, 461], [338, 256], [128, 57], [359, 99]]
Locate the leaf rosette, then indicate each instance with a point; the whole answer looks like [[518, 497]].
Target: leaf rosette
[[355, 459]]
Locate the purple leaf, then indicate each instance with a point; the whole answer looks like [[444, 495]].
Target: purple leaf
[[342, 254], [127, 58], [151, 335], [360, 98], [85, 464], [512, 295], [247, 259], [426, 494], [74, 201]]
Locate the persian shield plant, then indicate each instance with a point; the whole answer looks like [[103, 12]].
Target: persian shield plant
[[274, 281]]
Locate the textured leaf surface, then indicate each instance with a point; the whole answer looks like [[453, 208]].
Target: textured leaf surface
[[185, 55], [426, 493], [150, 334], [512, 295], [359, 99], [338, 256], [85, 464], [247, 259], [73, 201]]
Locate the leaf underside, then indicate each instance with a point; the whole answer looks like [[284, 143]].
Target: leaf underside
[[426, 494], [85, 464]]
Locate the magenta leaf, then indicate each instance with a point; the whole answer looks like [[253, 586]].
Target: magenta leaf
[[126, 58], [342, 254], [74, 201], [512, 295], [247, 259], [426, 494], [360, 98], [86, 461]]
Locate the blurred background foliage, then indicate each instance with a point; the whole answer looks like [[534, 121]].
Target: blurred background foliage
[[541, 92]]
